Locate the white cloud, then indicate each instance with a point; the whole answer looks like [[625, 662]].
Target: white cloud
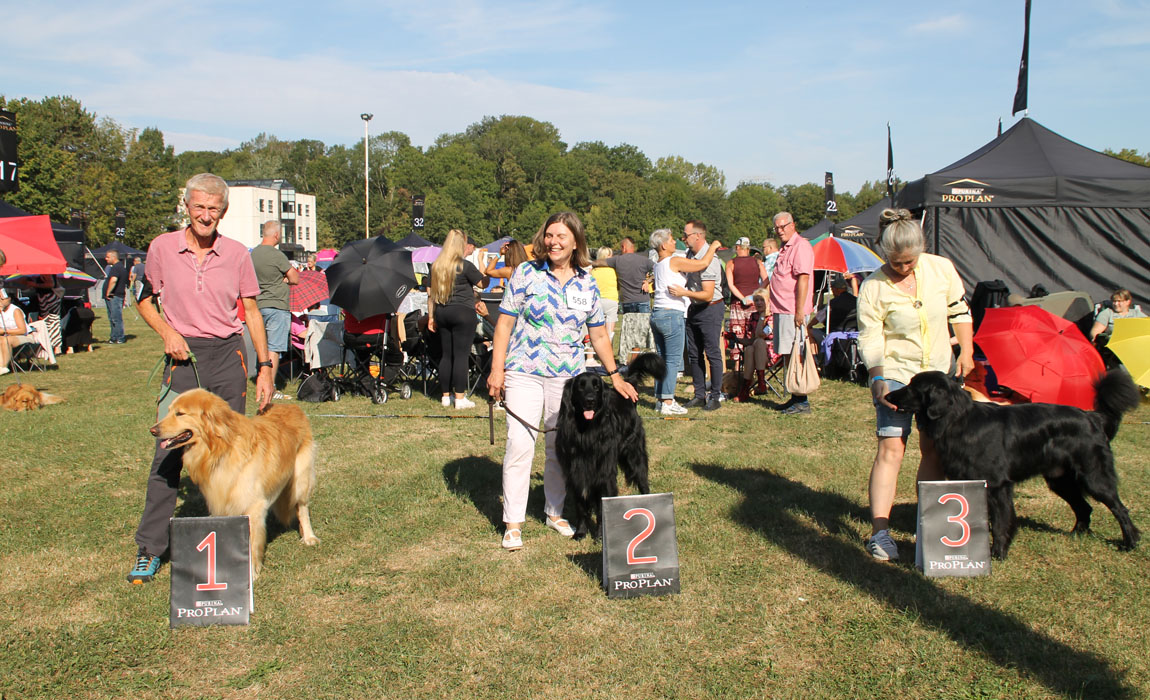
[[951, 24]]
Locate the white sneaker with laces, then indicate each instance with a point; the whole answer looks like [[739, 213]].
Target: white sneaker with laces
[[446, 401], [672, 409], [464, 403]]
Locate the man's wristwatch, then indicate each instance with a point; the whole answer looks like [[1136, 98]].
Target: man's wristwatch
[[265, 363]]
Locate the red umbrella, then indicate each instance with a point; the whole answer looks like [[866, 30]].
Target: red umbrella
[[1039, 355], [311, 290], [30, 247]]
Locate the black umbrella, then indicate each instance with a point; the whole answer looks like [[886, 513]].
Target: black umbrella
[[370, 276]]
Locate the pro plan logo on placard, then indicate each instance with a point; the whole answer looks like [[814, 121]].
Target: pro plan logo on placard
[[967, 191]]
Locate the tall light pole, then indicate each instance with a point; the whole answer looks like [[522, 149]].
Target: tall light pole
[[366, 192]]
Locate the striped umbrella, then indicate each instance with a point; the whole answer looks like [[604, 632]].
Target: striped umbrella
[[844, 256]]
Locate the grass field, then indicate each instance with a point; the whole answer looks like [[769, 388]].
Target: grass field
[[410, 595]]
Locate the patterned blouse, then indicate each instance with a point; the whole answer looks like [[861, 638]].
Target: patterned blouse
[[548, 336]]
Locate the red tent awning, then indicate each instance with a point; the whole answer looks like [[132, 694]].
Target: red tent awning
[[29, 246]]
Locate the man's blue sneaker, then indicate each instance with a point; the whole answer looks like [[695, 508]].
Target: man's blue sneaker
[[796, 409], [145, 569], [881, 546]]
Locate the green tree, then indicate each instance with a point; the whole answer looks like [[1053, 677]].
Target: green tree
[[752, 207], [1130, 155]]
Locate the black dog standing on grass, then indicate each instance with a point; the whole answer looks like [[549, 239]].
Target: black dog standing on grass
[[1069, 447], [598, 431]]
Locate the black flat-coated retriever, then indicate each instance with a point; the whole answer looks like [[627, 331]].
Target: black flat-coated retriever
[[1004, 445], [598, 431]]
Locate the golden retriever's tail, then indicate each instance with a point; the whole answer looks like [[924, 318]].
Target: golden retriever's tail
[[46, 399]]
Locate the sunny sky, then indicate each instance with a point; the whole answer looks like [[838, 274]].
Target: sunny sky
[[766, 91]]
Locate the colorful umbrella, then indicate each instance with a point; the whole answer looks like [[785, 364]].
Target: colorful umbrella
[[845, 256], [326, 254], [1130, 341], [311, 290], [1039, 355], [370, 276], [494, 246], [79, 278], [427, 254]]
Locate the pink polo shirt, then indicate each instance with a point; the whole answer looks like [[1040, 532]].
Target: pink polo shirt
[[199, 301], [796, 258]]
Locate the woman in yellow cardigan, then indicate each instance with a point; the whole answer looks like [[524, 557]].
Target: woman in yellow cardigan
[[903, 311]]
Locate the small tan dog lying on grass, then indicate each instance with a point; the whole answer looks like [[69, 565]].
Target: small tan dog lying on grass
[[25, 397], [245, 466]]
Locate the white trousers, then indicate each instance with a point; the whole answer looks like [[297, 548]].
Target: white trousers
[[531, 397]]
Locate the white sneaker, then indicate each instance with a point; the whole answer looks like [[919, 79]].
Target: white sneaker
[[464, 403], [446, 401], [672, 409]]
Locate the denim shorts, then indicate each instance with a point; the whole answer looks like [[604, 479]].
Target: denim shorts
[[892, 423], [277, 325]]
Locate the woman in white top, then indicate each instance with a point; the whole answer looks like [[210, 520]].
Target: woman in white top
[[669, 315], [13, 330]]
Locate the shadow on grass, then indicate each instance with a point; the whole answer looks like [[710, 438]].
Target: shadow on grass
[[590, 562], [770, 507], [480, 480]]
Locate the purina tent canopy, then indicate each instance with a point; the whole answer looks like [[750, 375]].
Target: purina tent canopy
[[1033, 207]]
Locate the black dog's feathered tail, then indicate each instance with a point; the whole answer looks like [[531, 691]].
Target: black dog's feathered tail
[[648, 364], [1115, 394]]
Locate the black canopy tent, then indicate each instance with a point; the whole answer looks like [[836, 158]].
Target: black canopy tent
[[860, 228], [1033, 207]]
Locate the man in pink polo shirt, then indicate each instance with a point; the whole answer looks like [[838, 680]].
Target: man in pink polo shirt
[[792, 296], [199, 277]]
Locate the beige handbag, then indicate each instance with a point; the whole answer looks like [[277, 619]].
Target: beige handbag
[[802, 373]]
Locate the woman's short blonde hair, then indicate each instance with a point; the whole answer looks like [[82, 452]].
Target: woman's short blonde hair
[[1121, 295]]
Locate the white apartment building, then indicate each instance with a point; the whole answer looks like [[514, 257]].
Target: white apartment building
[[252, 202]]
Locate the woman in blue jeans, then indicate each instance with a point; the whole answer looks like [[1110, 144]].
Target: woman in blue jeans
[[669, 314]]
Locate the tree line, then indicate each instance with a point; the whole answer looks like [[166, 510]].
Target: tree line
[[499, 177]]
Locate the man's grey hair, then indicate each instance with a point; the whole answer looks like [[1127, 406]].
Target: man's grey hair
[[208, 184], [272, 228], [115, 255]]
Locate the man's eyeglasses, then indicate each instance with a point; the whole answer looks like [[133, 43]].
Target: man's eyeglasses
[[782, 227]]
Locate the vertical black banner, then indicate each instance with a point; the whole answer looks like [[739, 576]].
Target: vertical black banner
[[1023, 68], [121, 222], [889, 167], [417, 220], [9, 162], [832, 207]]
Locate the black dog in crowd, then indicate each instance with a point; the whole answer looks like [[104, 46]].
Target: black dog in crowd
[[1004, 445], [598, 431]]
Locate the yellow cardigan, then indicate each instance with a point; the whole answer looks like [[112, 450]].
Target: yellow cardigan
[[907, 334]]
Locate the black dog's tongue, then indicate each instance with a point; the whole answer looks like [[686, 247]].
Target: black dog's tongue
[[588, 415]]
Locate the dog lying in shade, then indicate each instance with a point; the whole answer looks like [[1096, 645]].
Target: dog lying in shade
[[25, 397]]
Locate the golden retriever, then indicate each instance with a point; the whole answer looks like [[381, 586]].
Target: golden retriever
[[245, 466], [25, 397]]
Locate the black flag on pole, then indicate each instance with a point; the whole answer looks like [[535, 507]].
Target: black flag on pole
[[889, 167], [1000, 126], [1023, 68]]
